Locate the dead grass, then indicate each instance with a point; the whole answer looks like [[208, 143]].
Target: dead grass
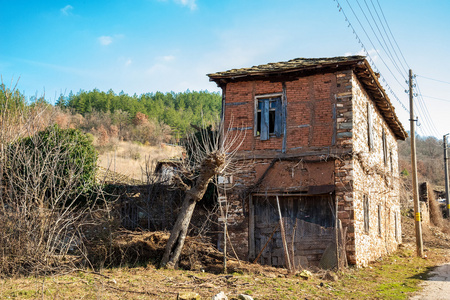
[[130, 159], [393, 277]]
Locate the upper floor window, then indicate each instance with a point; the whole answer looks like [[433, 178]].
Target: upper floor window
[[385, 147], [391, 162], [269, 116]]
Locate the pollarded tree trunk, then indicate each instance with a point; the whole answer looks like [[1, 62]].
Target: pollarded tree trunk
[[209, 167]]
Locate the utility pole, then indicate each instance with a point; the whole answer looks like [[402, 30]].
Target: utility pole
[[418, 219], [447, 201]]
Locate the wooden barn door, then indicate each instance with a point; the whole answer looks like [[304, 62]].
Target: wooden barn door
[[308, 222]]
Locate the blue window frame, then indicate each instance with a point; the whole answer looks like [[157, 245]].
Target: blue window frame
[[269, 116]]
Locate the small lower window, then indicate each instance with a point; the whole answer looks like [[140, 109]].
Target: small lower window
[[379, 220], [396, 226], [366, 213]]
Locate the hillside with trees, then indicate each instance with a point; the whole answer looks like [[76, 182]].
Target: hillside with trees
[[175, 110], [430, 159]]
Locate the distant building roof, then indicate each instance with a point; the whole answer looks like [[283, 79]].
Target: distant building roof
[[304, 66], [170, 162]]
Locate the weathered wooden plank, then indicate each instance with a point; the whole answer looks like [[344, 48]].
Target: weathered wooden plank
[[251, 229]]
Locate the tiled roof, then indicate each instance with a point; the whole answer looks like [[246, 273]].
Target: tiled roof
[[290, 65]]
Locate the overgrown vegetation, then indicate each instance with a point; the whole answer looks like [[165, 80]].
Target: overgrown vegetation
[[44, 172]]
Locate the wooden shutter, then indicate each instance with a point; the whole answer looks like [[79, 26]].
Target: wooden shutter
[[278, 117], [265, 120]]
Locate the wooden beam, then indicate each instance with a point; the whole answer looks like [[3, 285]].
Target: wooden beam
[[251, 228], [287, 260]]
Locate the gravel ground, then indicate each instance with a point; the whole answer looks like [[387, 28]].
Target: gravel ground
[[437, 287]]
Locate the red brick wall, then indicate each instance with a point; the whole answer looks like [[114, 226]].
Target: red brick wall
[[309, 120]]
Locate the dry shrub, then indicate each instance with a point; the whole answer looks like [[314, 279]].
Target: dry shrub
[[103, 137], [114, 131], [135, 248], [405, 194], [41, 217], [63, 120], [445, 226], [44, 177], [436, 216], [140, 119]]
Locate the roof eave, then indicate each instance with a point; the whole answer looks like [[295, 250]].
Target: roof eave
[[240, 76], [370, 81]]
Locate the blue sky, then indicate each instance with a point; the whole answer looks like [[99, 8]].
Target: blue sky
[[141, 46]]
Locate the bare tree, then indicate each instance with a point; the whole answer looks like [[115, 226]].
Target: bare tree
[[210, 153]]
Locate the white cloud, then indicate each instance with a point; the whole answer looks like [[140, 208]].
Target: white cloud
[[158, 69], [168, 58], [105, 40], [66, 10], [128, 62], [189, 3]]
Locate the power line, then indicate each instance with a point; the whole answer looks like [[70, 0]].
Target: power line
[[442, 81], [387, 35], [395, 41], [436, 98], [426, 113], [341, 9], [376, 36], [375, 48], [386, 41], [427, 120]]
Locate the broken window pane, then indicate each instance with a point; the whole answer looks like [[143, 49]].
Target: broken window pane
[[268, 117]]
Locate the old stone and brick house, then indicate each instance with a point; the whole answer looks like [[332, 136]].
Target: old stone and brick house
[[320, 140]]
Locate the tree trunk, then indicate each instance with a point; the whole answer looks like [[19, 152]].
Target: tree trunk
[[209, 167], [178, 234]]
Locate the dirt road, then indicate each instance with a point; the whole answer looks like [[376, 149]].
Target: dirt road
[[437, 287]]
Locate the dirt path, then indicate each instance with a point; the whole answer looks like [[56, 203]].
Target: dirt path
[[437, 287]]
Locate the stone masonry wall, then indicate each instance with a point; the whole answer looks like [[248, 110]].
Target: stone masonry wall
[[375, 178], [344, 166]]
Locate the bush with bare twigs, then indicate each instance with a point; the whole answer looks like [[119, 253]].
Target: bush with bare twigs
[[42, 175]]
